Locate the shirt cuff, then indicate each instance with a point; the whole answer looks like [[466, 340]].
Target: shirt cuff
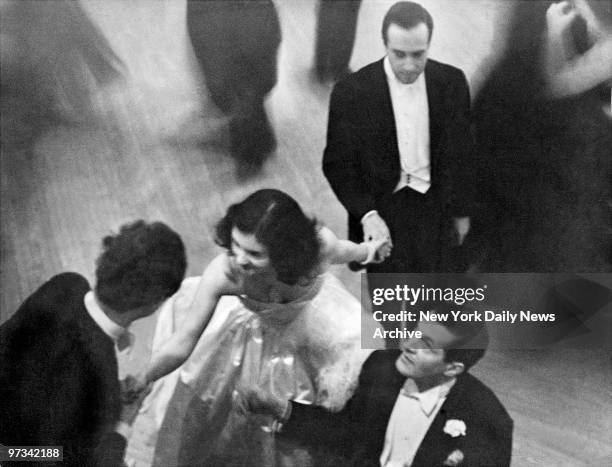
[[123, 429], [368, 214], [287, 412], [371, 253], [277, 425]]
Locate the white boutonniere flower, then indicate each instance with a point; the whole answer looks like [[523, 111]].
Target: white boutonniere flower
[[455, 428], [454, 458]]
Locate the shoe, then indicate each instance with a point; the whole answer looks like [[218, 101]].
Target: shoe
[[251, 142], [327, 75]]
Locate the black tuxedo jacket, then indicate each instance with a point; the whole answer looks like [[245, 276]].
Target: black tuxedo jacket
[[58, 377], [361, 160], [356, 434]]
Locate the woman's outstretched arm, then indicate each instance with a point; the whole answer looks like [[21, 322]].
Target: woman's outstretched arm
[[336, 251], [214, 283]]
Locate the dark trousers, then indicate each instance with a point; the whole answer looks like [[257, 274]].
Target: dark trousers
[[336, 27], [420, 228], [236, 43], [421, 232]]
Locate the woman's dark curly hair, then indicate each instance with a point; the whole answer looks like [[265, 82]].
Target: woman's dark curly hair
[[140, 266], [280, 225]]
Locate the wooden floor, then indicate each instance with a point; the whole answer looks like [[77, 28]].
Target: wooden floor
[[158, 150]]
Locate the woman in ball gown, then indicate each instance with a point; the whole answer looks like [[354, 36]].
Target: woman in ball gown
[[288, 326]]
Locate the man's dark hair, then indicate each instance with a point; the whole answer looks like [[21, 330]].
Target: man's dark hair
[[280, 225], [406, 15], [140, 266], [472, 336]]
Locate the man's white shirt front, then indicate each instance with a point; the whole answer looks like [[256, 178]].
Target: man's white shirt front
[[410, 419], [411, 113]]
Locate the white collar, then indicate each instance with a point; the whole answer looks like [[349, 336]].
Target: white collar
[[110, 328], [427, 399], [392, 79]]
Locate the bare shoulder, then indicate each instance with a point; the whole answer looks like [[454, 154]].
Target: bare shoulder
[[221, 275]]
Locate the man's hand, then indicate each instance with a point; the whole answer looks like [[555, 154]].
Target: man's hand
[[130, 407], [559, 17], [375, 228], [258, 401], [461, 226], [378, 251], [132, 387]]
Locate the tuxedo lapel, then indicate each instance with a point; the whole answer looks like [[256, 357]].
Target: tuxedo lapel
[[103, 361], [435, 100], [380, 113], [438, 445], [381, 397], [386, 395]]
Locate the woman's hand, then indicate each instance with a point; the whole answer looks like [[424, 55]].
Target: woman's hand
[[133, 387], [378, 251], [130, 408]]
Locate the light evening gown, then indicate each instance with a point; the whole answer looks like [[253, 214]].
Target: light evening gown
[[307, 349]]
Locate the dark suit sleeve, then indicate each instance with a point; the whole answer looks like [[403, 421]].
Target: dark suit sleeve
[[461, 148], [317, 427], [500, 442], [505, 441], [47, 305], [493, 444], [34, 344], [340, 162], [110, 450]]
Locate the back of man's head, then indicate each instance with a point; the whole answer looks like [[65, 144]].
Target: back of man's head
[[140, 266], [407, 15], [472, 338]]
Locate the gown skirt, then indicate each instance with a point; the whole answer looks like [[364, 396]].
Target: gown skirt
[[307, 350]]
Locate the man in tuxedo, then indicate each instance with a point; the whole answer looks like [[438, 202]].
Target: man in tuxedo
[[236, 44], [58, 363], [399, 150], [417, 406], [336, 26]]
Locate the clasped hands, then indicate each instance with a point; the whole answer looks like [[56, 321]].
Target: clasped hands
[[375, 230], [133, 387], [377, 237], [133, 390]]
